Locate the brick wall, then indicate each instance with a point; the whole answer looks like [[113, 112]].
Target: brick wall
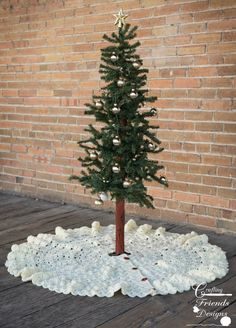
[[49, 61]]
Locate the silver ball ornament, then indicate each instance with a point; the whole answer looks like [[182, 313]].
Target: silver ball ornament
[[163, 179], [136, 64], [116, 141], [114, 57], [127, 183], [115, 109], [93, 155], [153, 111], [116, 168], [98, 104], [133, 94], [120, 83], [151, 146]]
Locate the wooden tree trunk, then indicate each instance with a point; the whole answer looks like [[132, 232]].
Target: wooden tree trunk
[[120, 226]]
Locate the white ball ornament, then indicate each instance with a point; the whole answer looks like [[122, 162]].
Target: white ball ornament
[[116, 141], [116, 168], [115, 109], [133, 94]]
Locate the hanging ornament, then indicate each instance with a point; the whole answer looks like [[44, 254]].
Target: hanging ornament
[[98, 104], [93, 155], [133, 94], [151, 146], [120, 82], [116, 168], [98, 201], [104, 196], [163, 180], [114, 57], [116, 141], [115, 109], [136, 64], [153, 111], [127, 183], [149, 177]]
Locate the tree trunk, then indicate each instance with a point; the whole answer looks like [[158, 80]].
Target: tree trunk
[[120, 226]]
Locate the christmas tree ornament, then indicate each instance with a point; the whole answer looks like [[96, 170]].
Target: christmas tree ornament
[[98, 201], [116, 168], [151, 146], [153, 111], [114, 57], [120, 83], [115, 109], [98, 104], [116, 141], [93, 155], [120, 18], [136, 64], [133, 94], [163, 179], [104, 196], [149, 177], [127, 183]]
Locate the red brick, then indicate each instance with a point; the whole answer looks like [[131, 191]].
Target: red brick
[[192, 28], [202, 220], [190, 50], [160, 83], [206, 38], [228, 24], [203, 71], [214, 200], [186, 197], [194, 6], [187, 83]]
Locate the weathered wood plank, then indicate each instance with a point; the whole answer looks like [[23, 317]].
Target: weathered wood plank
[[77, 311]]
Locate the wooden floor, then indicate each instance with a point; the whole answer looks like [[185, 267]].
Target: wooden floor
[[23, 305]]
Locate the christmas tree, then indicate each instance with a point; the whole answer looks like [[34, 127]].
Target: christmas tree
[[116, 161]]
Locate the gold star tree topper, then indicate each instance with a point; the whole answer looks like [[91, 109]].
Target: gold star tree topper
[[120, 18]]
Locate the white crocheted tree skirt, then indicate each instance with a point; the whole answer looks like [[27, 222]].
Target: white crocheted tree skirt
[[77, 261]]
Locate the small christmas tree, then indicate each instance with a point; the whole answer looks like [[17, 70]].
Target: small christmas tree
[[116, 160]]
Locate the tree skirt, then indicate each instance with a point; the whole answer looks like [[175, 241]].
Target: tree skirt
[[77, 261]]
